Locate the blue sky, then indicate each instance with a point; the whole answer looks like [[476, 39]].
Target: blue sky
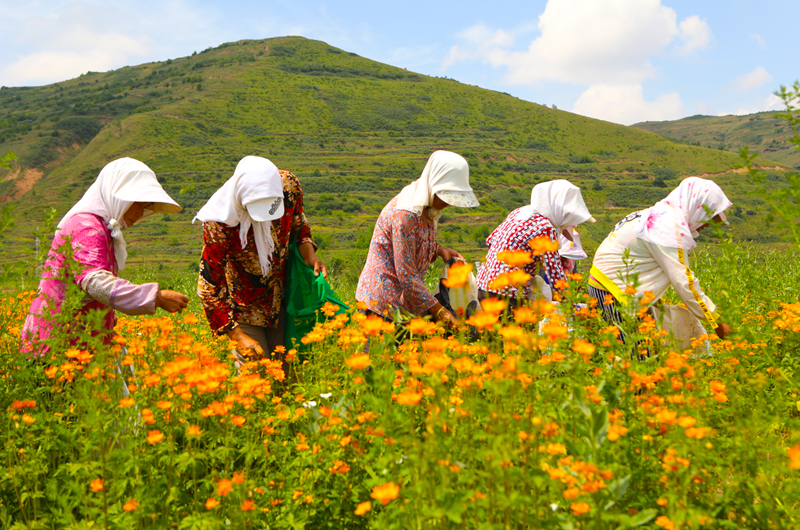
[[623, 61]]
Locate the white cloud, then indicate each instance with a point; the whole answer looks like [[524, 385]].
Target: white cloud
[[760, 40], [587, 42], [695, 34], [751, 80], [626, 104], [772, 102]]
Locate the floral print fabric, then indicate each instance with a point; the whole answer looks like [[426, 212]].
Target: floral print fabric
[[402, 248], [231, 285], [514, 234]]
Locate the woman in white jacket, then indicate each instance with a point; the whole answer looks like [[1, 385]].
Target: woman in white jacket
[[653, 245]]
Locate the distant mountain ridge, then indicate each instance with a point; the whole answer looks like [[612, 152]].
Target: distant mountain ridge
[[765, 133], [353, 130]]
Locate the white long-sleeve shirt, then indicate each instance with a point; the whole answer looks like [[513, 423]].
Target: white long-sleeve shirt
[[656, 267]]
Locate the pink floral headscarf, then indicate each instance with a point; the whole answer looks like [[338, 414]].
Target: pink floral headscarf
[[673, 221]]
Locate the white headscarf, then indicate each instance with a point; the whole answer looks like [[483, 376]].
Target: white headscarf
[[571, 249], [446, 174], [255, 178], [560, 202], [673, 221], [120, 184]]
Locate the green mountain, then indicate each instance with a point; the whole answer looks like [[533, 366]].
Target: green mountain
[[765, 133], [353, 130]]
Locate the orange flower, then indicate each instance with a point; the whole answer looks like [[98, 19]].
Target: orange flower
[[794, 457], [363, 507], [665, 522], [194, 430], [483, 320], [374, 325], [97, 485], [224, 487], [358, 362], [211, 503], [457, 275], [580, 508], [515, 258], [126, 402], [130, 505], [542, 244], [345, 441], [493, 305], [385, 492], [500, 282], [518, 277], [28, 419], [247, 505], [153, 437], [238, 477], [329, 309], [238, 420], [164, 405], [190, 319], [584, 348], [20, 405], [408, 398], [555, 331], [615, 431], [420, 326]]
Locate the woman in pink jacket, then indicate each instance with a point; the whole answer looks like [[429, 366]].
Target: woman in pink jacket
[[125, 192]]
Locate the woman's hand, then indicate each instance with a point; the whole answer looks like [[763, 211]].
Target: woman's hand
[[448, 253], [171, 301], [722, 330], [440, 314], [310, 257], [245, 342]]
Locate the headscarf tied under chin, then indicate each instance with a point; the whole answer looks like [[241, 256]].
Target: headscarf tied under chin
[[446, 174], [120, 184], [560, 202], [255, 178], [673, 221]]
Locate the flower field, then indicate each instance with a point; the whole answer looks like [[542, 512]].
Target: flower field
[[552, 424]]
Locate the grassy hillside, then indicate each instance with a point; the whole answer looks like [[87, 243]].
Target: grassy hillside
[[765, 133], [353, 130]]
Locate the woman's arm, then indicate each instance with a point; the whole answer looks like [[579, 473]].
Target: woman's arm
[[675, 264], [212, 286], [306, 245]]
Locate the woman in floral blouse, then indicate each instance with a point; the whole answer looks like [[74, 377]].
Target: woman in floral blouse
[[555, 207], [404, 241], [247, 226]]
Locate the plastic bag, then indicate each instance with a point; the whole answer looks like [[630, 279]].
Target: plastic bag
[[306, 293]]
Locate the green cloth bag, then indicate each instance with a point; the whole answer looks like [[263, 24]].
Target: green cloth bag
[[305, 295]]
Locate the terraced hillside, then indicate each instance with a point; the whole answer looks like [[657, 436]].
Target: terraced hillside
[[353, 130], [765, 133]]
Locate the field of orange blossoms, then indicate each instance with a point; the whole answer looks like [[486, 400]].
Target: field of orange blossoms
[[530, 426]]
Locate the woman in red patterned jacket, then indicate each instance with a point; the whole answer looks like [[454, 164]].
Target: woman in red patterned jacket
[[247, 226], [555, 208]]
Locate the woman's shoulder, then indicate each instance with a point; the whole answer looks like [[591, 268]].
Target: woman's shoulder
[[85, 224], [290, 182]]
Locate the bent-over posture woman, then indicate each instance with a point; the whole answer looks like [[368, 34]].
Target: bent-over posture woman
[[653, 245], [556, 206], [125, 192], [404, 243], [247, 226]]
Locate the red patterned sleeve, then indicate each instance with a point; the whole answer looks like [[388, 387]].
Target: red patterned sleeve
[[300, 226], [212, 286]]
